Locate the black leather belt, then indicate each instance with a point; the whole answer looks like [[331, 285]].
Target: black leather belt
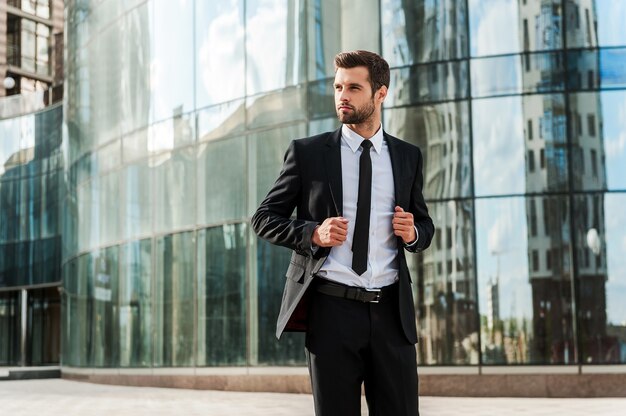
[[353, 293]]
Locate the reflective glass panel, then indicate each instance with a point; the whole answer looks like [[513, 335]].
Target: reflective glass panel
[[105, 326], [272, 262], [338, 25], [275, 57], [134, 67], [137, 203], [610, 16], [600, 229], [110, 208], [276, 108], [174, 186], [582, 71], [10, 353], [174, 289], [446, 288], [135, 144], [593, 150], [321, 98], [222, 180], [512, 26], [592, 23], [87, 196], [220, 70], [499, 151], [441, 132], [423, 31], [267, 150], [172, 42], [428, 83], [494, 27], [82, 328], [44, 309], [524, 279], [612, 130], [103, 87], [222, 326], [612, 70], [221, 120], [135, 310], [514, 74]]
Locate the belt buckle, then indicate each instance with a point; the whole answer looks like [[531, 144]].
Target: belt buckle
[[378, 294]]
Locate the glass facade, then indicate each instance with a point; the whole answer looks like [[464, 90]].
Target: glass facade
[[32, 189], [176, 118]]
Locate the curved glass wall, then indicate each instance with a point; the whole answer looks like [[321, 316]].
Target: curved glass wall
[[177, 117]]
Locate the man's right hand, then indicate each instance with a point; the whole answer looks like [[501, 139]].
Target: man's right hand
[[332, 232]]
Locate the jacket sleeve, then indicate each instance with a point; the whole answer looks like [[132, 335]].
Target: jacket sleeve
[[422, 221], [272, 220]]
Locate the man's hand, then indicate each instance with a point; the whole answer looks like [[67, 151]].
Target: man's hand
[[332, 232], [403, 225]]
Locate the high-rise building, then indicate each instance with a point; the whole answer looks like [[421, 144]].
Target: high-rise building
[[129, 205]]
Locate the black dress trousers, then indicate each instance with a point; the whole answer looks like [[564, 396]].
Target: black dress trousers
[[350, 344]]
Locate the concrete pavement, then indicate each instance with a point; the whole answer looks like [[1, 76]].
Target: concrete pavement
[[58, 397]]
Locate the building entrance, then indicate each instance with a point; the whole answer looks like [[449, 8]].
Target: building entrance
[[30, 327]]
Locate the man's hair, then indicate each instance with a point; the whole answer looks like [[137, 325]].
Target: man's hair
[[377, 67]]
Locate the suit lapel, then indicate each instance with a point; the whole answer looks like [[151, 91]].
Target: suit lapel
[[333, 169], [397, 166]]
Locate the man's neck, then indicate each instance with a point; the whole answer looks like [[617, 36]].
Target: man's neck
[[367, 129]]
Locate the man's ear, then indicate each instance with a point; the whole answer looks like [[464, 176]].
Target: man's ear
[[381, 94]]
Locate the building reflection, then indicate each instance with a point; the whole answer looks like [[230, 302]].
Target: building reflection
[[556, 301]]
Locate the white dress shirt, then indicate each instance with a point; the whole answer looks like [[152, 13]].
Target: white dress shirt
[[382, 268]]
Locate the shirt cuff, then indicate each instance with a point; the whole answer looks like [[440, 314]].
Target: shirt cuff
[[417, 237]]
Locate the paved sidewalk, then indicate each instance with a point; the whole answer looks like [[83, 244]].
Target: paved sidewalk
[[69, 398]]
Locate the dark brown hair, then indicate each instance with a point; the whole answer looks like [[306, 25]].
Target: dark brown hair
[[377, 67]]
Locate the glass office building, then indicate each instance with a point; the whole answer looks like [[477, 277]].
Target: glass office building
[[177, 114]]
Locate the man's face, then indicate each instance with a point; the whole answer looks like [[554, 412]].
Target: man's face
[[354, 100]]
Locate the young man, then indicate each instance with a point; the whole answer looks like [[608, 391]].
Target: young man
[[359, 202]]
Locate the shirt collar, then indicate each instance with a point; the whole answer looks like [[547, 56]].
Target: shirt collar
[[354, 140]]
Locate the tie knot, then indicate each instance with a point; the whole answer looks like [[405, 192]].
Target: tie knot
[[366, 144]]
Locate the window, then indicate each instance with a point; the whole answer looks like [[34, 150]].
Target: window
[[526, 39], [533, 218], [546, 216], [535, 260], [531, 161], [588, 23], [28, 44], [542, 158], [530, 129], [40, 8], [590, 82], [591, 124], [548, 260], [594, 163]]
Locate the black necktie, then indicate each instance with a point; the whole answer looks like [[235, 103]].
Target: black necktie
[[362, 224]]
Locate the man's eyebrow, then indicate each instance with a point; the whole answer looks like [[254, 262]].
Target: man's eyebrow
[[351, 84]]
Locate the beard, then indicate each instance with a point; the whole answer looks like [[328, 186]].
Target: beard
[[358, 115]]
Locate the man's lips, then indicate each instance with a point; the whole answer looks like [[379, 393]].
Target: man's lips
[[345, 107]]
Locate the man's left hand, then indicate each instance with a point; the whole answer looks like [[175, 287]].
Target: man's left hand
[[403, 225]]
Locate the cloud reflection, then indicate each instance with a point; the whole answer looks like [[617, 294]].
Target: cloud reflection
[[499, 146], [493, 27]]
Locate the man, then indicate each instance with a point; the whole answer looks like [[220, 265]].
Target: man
[[358, 195]]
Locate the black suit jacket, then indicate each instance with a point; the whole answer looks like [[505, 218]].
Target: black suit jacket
[[310, 182]]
